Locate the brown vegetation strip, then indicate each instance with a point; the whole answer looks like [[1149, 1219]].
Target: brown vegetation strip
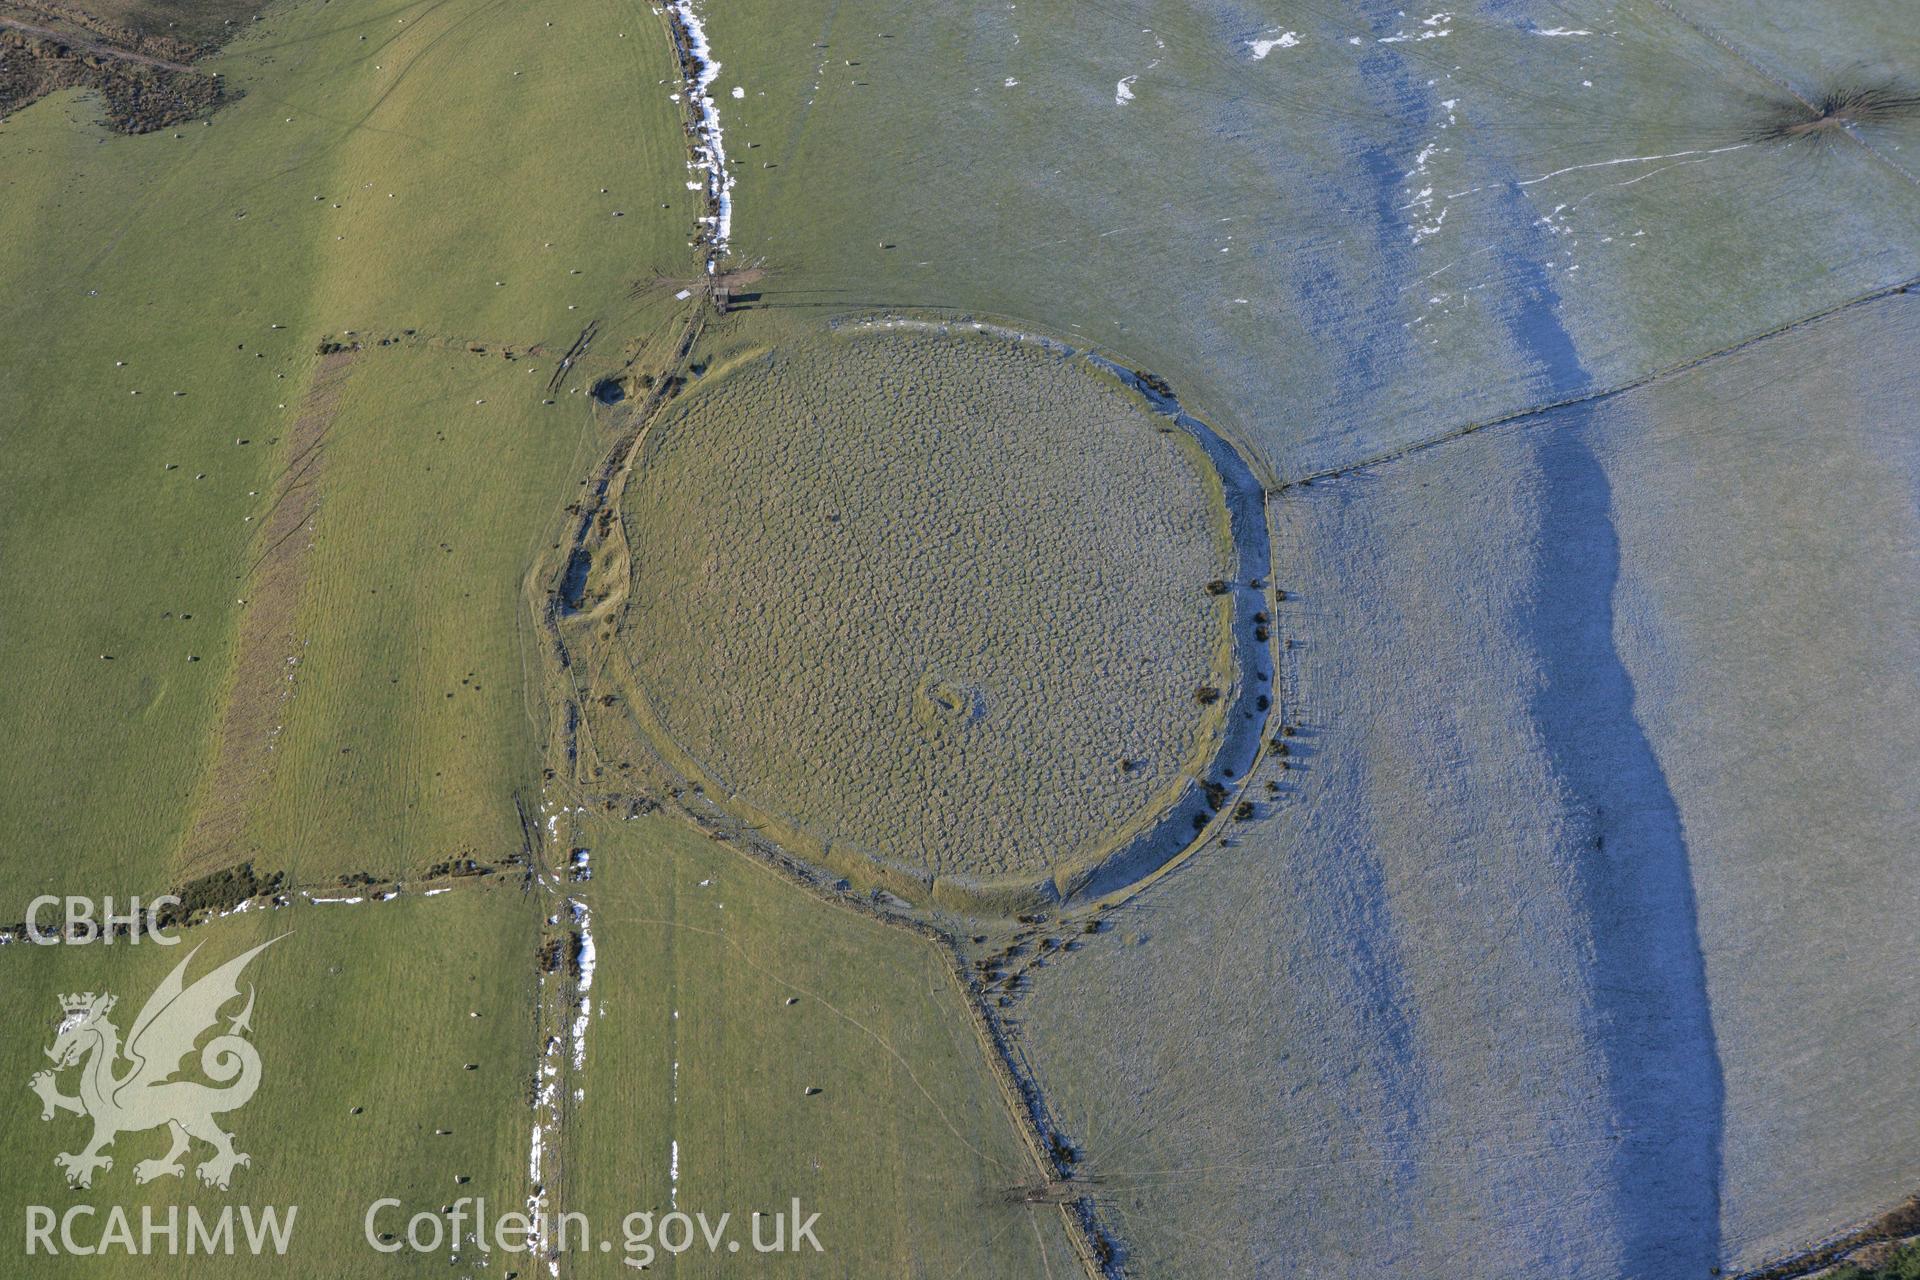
[[264, 668], [1867, 1245], [141, 93], [93, 47]]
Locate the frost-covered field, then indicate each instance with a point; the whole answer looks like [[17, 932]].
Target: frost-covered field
[[1343, 245], [1568, 945], [1770, 559], [1579, 938]]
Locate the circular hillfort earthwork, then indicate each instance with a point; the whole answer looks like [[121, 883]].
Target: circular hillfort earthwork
[[949, 612]]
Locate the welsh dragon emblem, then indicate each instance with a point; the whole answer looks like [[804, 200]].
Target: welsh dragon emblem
[[129, 1088]]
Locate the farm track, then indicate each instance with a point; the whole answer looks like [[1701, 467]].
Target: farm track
[[266, 651]]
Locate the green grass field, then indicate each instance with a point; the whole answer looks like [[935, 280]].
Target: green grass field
[[750, 1044], [285, 622], [458, 167], [371, 1007]]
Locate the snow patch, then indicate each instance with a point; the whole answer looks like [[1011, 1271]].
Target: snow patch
[[589, 956], [1265, 45], [1435, 29], [709, 148]]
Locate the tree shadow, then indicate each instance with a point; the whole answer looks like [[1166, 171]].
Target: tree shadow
[[1632, 871]]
